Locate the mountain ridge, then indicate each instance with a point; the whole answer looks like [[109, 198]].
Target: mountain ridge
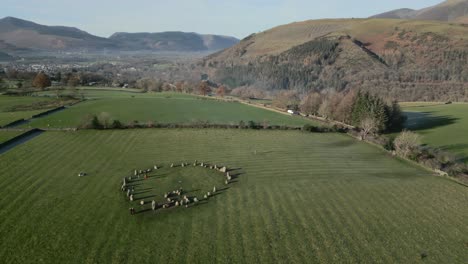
[[447, 11], [403, 59], [18, 34], [172, 41]]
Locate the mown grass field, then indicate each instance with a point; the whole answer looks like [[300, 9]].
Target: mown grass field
[[442, 126], [7, 135], [97, 92], [299, 198], [164, 108], [8, 103]]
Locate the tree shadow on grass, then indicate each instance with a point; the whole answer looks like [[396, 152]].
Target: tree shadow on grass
[[455, 147], [452, 150], [427, 120]]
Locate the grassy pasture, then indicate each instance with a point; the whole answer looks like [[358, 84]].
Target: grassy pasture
[[194, 181], [443, 126], [97, 92], [7, 135], [164, 108], [7, 103], [299, 198]]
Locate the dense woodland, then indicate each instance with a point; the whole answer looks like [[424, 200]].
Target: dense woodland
[[417, 67]]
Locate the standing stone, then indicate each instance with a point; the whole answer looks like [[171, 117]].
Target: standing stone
[[153, 205]]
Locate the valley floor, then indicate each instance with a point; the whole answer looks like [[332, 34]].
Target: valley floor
[[299, 198]]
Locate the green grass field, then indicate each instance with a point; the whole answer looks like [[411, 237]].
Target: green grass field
[[299, 198], [9, 102], [442, 126], [164, 108], [7, 135], [98, 92]]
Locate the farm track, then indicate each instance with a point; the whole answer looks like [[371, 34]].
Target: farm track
[[324, 197]]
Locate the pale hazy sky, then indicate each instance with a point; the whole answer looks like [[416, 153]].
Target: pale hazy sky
[[236, 18]]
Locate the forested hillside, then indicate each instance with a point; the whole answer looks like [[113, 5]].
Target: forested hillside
[[399, 59]]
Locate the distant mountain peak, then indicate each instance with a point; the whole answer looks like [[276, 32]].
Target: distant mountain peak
[[172, 41], [18, 34], [450, 10]]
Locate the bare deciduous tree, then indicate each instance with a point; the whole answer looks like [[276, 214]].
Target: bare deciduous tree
[[325, 109], [345, 107], [407, 143], [221, 91], [287, 99], [310, 104], [368, 125], [204, 88], [105, 119]]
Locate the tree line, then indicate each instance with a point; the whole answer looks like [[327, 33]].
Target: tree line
[[360, 109]]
